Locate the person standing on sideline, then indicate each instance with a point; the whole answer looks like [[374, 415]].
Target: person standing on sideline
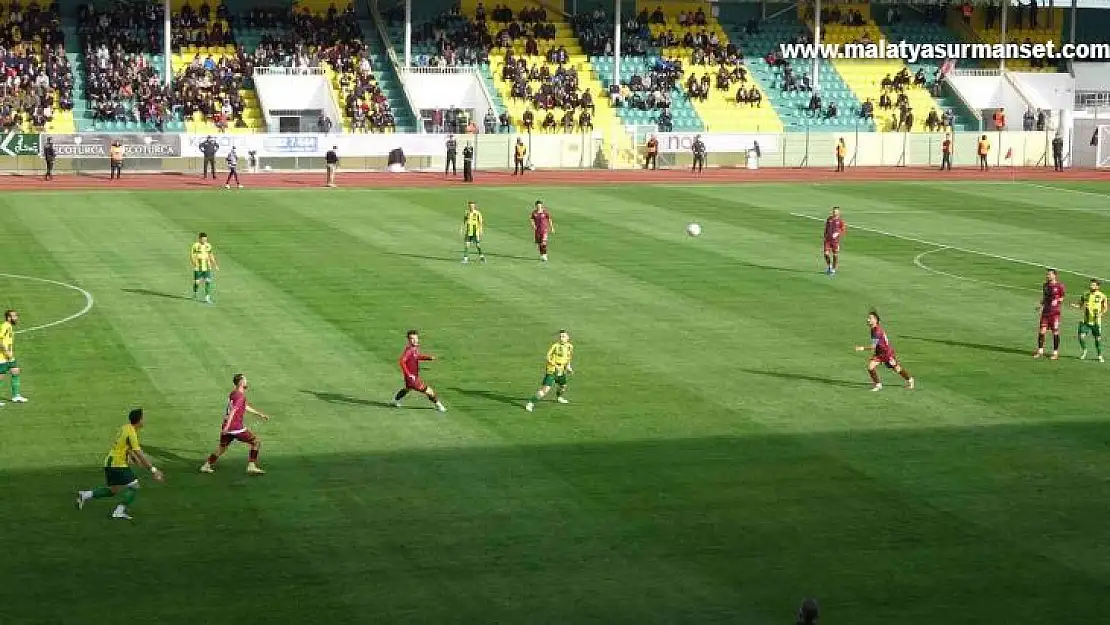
[[452, 147], [232, 169], [946, 153], [1058, 153], [208, 149], [841, 152], [519, 152], [984, 149], [49, 154], [331, 162], [468, 163], [115, 158], [652, 156], [699, 154]]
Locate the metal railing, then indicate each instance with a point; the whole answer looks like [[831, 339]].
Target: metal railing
[[1092, 99], [976, 72], [288, 71]]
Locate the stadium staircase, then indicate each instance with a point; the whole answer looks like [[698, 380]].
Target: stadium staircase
[[791, 106], [719, 112], [605, 119], [917, 31], [1049, 30], [865, 76]]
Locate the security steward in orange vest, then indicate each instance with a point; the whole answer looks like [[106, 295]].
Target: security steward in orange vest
[[115, 156], [841, 152], [984, 150]]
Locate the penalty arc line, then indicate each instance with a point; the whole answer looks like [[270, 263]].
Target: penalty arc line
[[965, 250], [918, 260], [89, 301]]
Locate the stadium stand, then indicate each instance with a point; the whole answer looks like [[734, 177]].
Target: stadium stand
[[881, 81], [542, 73], [691, 37], [791, 97], [36, 76], [922, 27], [649, 92], [1026, 23]]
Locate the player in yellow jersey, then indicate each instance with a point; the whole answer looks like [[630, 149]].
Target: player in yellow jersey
[[8, 363], [1094, 305], [204, 263], [472, 227], [555, 371], [118, 476]]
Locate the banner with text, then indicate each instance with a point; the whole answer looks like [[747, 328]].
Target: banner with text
[[18, 144], [134, 145], [682, 142], [316, 145]]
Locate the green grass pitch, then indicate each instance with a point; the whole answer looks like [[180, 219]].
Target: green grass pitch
[[721, 459]]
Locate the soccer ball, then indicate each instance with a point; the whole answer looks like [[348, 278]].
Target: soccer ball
[[693, 230]]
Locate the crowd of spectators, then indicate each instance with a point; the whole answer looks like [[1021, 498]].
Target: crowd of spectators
[[201, 26], [558, 97], [595, 31], [455, 39], [35, 76], [121, 85]]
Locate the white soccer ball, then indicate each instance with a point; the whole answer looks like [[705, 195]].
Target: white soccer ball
[[693, 230]]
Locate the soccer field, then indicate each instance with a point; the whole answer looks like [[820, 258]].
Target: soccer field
[[721, 457]]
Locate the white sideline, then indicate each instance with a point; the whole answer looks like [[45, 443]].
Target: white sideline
[[88, 301], [1010, 259]]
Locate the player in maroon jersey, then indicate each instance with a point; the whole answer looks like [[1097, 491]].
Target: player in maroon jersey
[[542, 227], [234, 429], [1052, 298], [882, 354], [834, 230], [410, 369]]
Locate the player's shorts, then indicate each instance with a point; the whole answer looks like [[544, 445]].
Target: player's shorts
[[202, 275], [541, 237], [416, 384], [890, 362], [832, 245], [473, 238], [119, 476], [1094, 329], [551, 379], [1051, 321], [246, 436], [8, 366]]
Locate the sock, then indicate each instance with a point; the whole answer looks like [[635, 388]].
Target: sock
[[466, 251], [1083, 342], [15, 385], [1056, 342], [196, 288], [836, 261], [543, 248], [905, 373], [213, 459], [252, 457], [401, 394], [828, 260], [127, 496], [480, 250], [208, 289], [100, 492], [559, 391], [1098, 345], [874, 375], [1040, 341], [433, 398]]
